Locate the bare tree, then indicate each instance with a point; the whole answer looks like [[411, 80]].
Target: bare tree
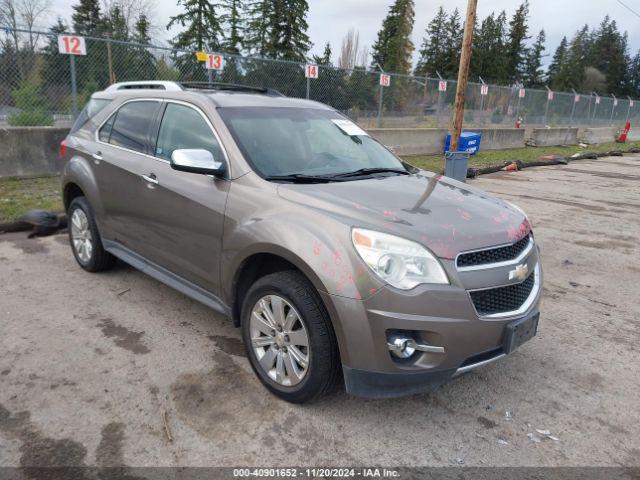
[[362, 59], [132, 10], [30, 12], [9, 18], [349, 50]]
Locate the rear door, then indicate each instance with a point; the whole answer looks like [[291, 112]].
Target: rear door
[[121, 163], [181, 215]]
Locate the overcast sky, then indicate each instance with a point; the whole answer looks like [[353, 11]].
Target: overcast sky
[[329, 20]]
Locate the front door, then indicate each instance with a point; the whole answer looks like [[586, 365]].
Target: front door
[[183, 213]]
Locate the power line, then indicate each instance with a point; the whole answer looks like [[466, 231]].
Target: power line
[[629, 8]]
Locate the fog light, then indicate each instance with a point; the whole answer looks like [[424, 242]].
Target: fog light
[[404, 346], [401, 346]]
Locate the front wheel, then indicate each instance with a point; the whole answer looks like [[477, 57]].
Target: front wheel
[[288, 337]]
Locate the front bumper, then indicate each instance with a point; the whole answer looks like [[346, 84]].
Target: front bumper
[[370, 384], [452, 322]]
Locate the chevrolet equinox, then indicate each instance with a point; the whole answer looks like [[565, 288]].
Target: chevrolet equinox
[[335, 258]]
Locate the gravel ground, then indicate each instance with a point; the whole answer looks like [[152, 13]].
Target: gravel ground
[[102, 369]]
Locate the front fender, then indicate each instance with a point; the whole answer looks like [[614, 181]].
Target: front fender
[[321, 249]]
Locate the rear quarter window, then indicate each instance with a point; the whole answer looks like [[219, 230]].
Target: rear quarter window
[[90, 110]]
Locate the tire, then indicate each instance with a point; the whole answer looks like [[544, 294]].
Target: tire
[[301, 298], [95, 259]]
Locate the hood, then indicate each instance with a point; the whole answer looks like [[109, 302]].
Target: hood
[[443, 214]]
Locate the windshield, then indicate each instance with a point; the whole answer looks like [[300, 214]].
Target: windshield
[[280, 142]]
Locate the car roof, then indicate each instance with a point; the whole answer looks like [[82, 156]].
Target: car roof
[[222, 96]]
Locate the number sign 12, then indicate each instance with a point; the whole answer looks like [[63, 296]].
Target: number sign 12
[[71, 45]]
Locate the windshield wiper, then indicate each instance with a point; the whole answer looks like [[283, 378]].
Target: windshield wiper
[[370, 171], [302, 178]]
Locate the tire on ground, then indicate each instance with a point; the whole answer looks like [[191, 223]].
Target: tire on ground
[[324, 364], [100, 259]]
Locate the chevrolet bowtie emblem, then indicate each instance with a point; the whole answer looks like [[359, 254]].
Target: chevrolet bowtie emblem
[[520, 273]]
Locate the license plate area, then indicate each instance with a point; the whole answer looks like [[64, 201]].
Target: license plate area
[[519, 332]]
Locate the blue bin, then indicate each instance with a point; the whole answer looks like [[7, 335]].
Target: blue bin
[[469, 142]]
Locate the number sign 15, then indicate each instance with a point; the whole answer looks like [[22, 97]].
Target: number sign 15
[[71, 45], [385, 80]]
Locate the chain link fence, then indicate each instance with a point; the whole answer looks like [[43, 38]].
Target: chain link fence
[[37, 87]]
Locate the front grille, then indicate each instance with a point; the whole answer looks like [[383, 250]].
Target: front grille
[[502, 299], [493, 255]]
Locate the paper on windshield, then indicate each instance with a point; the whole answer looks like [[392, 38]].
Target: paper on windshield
[[348, 127]]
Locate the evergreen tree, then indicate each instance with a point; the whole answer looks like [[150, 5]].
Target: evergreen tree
[[393, 48], [287, 27], [559, 57], [147, 64], [488, 49], [325, 58], [257, 32], [141, 30], [87, 18], [203, 28], [571, 70], [92, 69], [203, 33], [233, 22], [515, 48], [115, 25], [633, 77], [534, 73], [609, 54], [433, 51], [453, 45]]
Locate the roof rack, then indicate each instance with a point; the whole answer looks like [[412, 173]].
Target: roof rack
[[231, 87], [145, 85]]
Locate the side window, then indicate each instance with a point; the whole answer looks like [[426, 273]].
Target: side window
[[105, 132], [184, 127], [131, 126]]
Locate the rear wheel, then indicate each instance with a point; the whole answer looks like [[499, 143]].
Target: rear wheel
[[288, 337], [85, 239]]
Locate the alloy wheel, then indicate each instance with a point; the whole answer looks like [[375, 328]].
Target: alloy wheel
[[81, 235], [279, 340]]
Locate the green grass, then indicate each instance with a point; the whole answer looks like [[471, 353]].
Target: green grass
[[19, 195], [435, 163]]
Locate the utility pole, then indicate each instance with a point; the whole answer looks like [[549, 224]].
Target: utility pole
[[463, 75]]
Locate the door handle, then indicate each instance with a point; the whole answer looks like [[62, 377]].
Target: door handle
[[151, 179], [97, 156]]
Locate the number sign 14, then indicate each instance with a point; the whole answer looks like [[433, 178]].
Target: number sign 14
[[311, 71], [71, 45]]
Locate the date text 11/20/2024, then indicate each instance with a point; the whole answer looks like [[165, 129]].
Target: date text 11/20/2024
[[316, 472]]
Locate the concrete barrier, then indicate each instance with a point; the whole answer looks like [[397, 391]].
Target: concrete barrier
[[411, 141], [551, 137], [593, 135], [634, 135], [500, 138], [425, 141], [30, 151]]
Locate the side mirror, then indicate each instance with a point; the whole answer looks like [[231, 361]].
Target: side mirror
[[196, 161]]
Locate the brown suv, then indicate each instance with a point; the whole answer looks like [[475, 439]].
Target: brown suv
[[329, 252]]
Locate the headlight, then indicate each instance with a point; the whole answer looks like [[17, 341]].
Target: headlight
[[401, 263], [516, 207]]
